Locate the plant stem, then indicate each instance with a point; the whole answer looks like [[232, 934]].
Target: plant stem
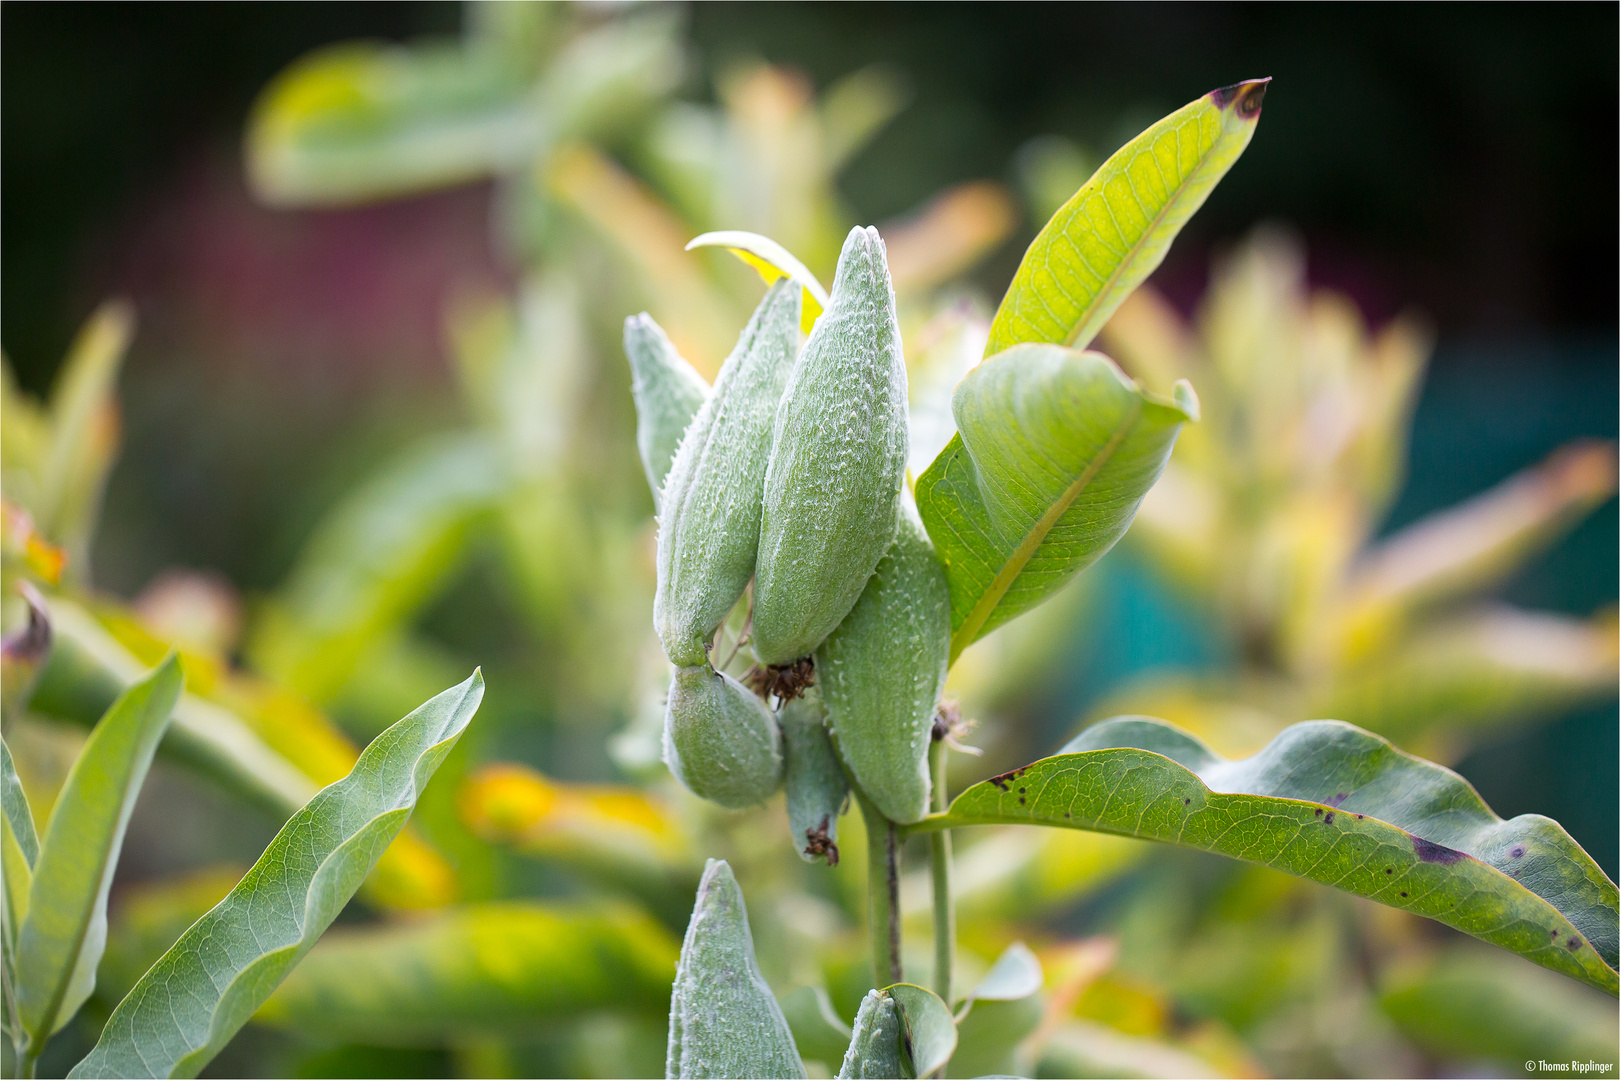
[[940, 857], [883, 893]]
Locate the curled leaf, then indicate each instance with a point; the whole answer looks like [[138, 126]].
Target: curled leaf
[[1335, 804]]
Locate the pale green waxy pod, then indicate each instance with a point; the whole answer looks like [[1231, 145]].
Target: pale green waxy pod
[[874, 1049], [668, 392], [720, 740], [709, 522], [882, 670], [723, 1019], [816, 788], [837, 462]]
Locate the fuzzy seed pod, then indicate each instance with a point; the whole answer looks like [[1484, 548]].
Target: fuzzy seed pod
[[837, 462], [723, 1018], [708, 528], [874, 1047], [668, 393], [882, 670], [720, 740], [816, 789]]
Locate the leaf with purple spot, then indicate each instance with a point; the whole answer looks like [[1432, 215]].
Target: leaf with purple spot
[[1340, 806]]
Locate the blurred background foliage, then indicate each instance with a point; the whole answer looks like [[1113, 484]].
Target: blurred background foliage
[[362, 421]]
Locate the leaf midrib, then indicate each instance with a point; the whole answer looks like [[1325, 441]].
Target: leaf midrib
[[59, 993], [1036, 536], [1072, 339]]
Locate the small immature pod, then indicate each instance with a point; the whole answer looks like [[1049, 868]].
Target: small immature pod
[[708, 527], [720, 740], [874, 1047], [816, 789], [723, 1018], [882, 670], [668, 393], [837, 462]]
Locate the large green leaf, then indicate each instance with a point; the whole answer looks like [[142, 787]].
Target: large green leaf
[[488, 969], [195, 998], [1054, 450], [1114, 232], [1335, 804], [60, 939]]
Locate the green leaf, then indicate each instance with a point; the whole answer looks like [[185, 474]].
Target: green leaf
[[1016, 974], [1054, 450], [201, 992], [1335, 804], [930, 1030], [60, 940], [723, 1019], [1469, 1004], [487, 969], [1114, 232], [375, 559], [19, 818], [19, 848]]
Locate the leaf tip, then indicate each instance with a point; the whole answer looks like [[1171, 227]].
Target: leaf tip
[[1243, 98], [1186, 399]]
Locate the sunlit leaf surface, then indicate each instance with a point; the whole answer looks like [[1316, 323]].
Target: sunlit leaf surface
[[195, 998], [1114, 232]]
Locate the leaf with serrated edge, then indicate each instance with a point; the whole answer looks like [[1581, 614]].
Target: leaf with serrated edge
[[1114, 232], [1335, 804], [199, 994], [60, 940], [1054, 450]]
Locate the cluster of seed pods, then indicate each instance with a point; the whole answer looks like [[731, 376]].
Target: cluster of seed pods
[[790, 473]]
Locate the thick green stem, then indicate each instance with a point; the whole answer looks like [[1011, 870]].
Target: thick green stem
[[883, 893], [940, 858]]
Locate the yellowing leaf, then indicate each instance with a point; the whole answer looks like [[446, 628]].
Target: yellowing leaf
[[771, 261], [1106, 240]]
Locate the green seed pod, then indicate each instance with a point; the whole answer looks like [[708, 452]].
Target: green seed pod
[[708, 529], [882, 670], [720, 740], [816, 789], [837, 462], [723, 1018], [874, 1048], [668, 393]]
